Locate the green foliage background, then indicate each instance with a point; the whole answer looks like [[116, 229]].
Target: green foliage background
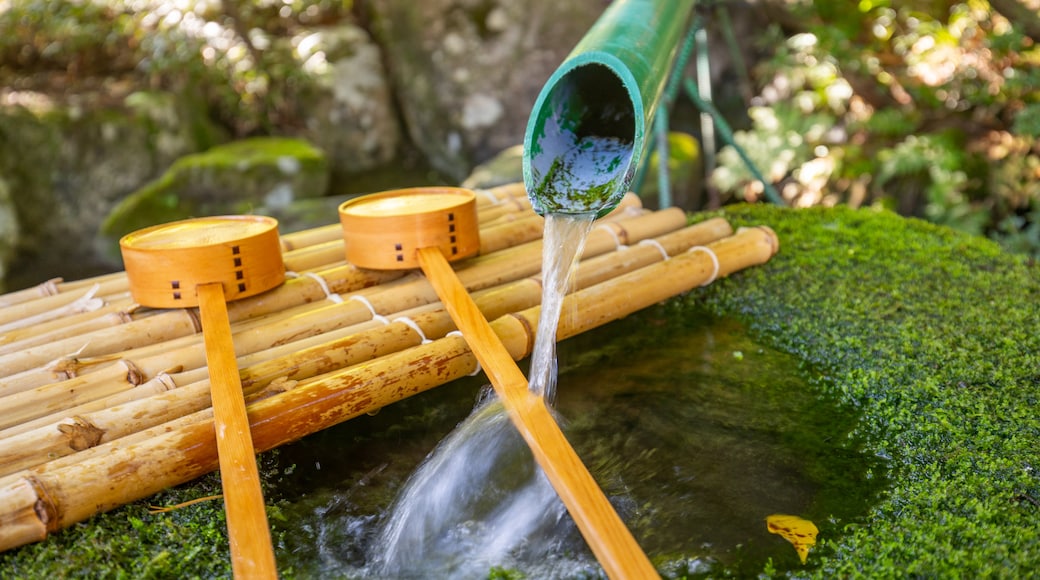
[[931, 108]]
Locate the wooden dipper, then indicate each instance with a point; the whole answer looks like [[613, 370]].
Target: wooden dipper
[[205, 262]]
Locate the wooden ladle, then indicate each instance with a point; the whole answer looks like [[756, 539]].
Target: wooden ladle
[[427, 228], [206, 262]]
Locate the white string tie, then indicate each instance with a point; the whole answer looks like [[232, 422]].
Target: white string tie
[[375, 315], [656, 244], [714, 261], [321, 282], [478, 369], [613, 234], [488, 194], [414, 326]]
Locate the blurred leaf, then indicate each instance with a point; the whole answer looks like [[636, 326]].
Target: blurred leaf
[[1027, 121]]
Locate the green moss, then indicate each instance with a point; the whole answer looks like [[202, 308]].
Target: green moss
[[932, 334], [239, 177]]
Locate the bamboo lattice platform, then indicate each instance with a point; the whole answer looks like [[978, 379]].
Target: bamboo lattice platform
[[106, 402]]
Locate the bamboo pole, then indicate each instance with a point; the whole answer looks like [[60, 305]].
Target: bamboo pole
[[56, 305], [313, 257], [83, 284], [140, 407], [67, 490], [310, 237], [45, 288], [481, 272], [112, 314]]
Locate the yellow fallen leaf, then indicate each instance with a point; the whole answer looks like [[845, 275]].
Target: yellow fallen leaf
[[801, 533]]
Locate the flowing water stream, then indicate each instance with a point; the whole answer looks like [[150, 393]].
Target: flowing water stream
[[479, 500]]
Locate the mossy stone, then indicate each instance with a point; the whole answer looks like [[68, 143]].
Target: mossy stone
[[931, 333], [241, 177]]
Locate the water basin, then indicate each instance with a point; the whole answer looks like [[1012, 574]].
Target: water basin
[[694, 431]]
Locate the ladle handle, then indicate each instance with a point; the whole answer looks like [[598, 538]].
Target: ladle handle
[[252, 554], [611, 542]]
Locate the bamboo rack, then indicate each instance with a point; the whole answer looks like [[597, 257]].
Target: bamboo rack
[[120, 410]]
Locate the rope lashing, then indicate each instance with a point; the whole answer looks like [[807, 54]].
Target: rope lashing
[[375, 315], [714, 261], [479, 369], [329, 294]]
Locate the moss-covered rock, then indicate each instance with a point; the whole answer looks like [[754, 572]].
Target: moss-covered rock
[[505, 167], [236, 178], [932, 334]]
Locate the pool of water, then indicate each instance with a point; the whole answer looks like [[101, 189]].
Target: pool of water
[[694, 431]]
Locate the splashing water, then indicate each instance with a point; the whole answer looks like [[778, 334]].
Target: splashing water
[[477, 501], [480, 500]]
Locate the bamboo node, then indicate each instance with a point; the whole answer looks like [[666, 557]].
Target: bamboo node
[[69, 367], [275, 387], [134, 376], [196, 320], [50, 287], [166, 381], [529, 332], [81, 434], [714, 261], [44, 505]]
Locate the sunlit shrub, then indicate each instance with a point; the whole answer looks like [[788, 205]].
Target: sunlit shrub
[[932, 109]]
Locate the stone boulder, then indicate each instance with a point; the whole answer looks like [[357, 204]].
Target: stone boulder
[[347, 109], [237, 178], [9, 229], [68, 162], [467, 72]]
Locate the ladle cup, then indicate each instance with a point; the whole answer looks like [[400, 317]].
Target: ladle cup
[[427, 228], [206, 262]]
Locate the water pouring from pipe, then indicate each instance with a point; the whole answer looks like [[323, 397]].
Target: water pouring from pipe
[[586, 138]]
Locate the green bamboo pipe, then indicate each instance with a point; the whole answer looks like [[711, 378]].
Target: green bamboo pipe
[[587, 130]]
